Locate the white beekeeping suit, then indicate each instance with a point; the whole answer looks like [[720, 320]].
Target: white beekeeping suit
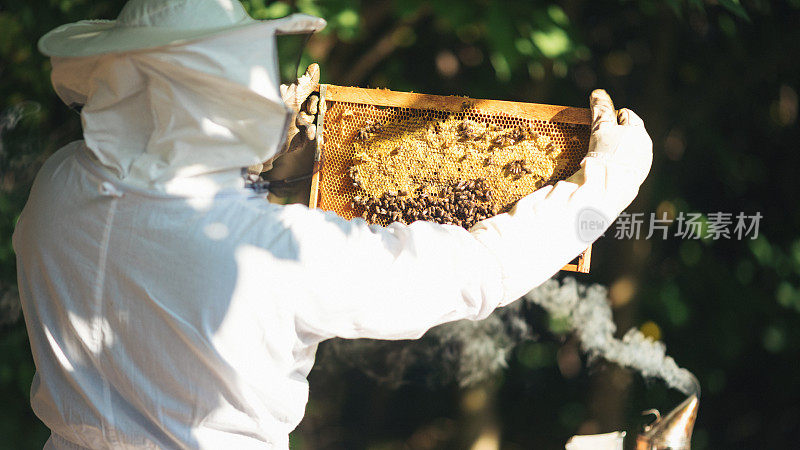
[[168, 306]]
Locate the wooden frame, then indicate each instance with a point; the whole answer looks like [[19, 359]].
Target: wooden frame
[[384, 97]]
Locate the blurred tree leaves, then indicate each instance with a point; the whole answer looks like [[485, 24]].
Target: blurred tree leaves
[[735, 7]]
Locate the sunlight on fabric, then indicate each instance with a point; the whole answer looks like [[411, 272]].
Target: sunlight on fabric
[[213, 129], [262, 83], [58, 352], [96, 333], [84, 35], [200, 203], [216, 231]]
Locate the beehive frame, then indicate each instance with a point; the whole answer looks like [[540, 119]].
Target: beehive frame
[[331, 187]]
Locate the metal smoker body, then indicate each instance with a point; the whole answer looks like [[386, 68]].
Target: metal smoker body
[[673, 431]]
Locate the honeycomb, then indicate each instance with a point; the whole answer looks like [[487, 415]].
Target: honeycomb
[[421, 154], [371, 149]]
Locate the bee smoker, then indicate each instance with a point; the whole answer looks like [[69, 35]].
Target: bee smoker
[[673, 431]]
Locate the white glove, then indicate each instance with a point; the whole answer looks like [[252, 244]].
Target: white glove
[[620, 153], [541, 233], [302, 131], [294, 96]]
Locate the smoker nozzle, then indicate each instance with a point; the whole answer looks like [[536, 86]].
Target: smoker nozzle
[[673, 431]]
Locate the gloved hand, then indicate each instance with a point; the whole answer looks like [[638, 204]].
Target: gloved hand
[[302, 131], [620, 153], [301, 127], [543, 230]]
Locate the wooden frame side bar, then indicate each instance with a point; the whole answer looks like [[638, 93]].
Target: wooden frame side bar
[[313, 201]]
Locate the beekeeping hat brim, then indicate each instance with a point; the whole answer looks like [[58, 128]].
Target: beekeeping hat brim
[[146, 24]]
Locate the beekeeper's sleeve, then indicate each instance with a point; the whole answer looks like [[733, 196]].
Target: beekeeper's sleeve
[[397, 282]]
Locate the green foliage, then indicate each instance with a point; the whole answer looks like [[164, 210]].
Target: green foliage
[[735, 7]]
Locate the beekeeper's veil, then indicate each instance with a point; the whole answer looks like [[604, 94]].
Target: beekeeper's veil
[[176, 95]]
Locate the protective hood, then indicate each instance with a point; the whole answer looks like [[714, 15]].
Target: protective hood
[[183, 118]]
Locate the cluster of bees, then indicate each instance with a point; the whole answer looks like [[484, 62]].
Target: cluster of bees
[[462, 203], [469, 130]]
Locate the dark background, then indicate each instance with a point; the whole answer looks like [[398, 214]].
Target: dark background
[[716, 83]]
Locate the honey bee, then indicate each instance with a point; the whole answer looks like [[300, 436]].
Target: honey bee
[[517, 168], [467, 130]]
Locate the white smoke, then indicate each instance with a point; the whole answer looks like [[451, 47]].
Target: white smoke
[[470, 352], [588, 313], [465, 351]]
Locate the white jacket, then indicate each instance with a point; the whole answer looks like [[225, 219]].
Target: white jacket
[[170, 307]]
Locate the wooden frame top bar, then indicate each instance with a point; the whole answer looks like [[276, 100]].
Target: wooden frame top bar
[[385, 97]]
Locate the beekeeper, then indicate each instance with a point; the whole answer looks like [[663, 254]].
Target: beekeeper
[[170, 306]]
